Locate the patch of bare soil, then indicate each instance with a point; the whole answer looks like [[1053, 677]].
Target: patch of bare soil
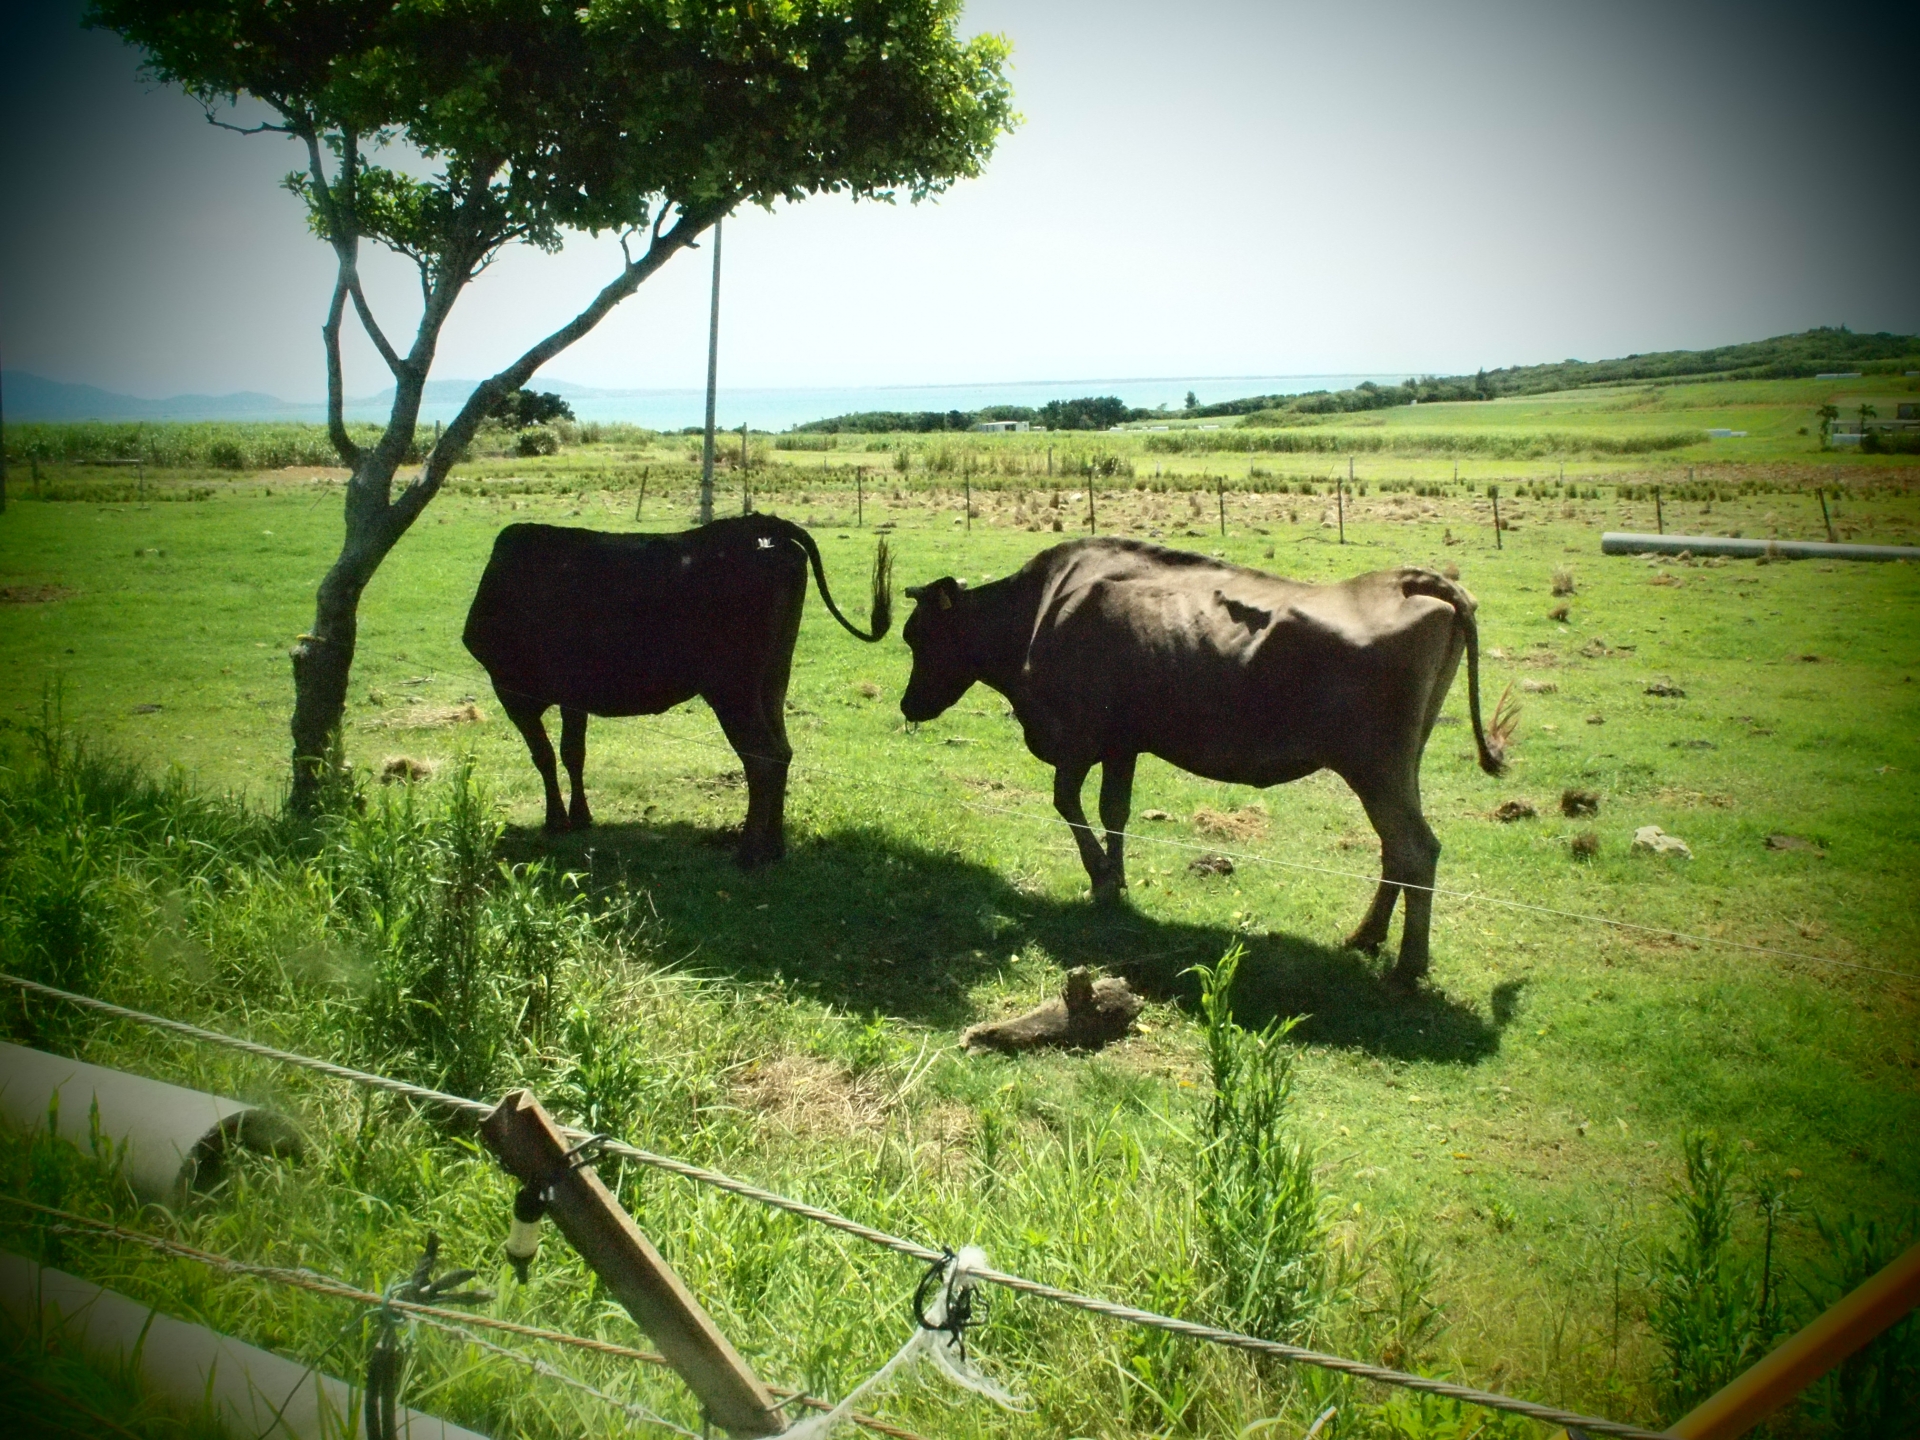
[[1712, 799], [429, 717], [1244, 822], [806, 1095], [44, 594]]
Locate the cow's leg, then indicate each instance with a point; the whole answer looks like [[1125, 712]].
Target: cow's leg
[[1116, 803], [760, 741], [573, 754], [1067, 781], [1409, 862], [525, 715]]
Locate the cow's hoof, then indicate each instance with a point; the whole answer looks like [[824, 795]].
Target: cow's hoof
[[580, 819], [556, 824], [1364, 943], [1403, 980]]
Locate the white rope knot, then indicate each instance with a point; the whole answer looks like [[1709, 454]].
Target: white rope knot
[[939, 1331]]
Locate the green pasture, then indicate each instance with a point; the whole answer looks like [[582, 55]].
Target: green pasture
[[1514, 1129]]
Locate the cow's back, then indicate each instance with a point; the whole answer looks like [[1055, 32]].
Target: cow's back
[[1220, 669], [632, 624]]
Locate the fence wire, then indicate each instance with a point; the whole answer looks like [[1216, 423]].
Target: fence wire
[[1232, 1339]]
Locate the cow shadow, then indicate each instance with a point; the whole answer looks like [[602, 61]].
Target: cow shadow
[[860, 920]]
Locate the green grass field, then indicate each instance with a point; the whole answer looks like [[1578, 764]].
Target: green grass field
[[1521, 1120]]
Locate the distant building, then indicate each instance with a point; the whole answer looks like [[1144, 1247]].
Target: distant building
[[1726, 434], [1001, 427]]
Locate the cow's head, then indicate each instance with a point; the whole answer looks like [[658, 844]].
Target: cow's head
[[939, 632]]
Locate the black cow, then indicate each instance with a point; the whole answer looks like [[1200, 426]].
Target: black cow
[[603, 624], [1111, 648]]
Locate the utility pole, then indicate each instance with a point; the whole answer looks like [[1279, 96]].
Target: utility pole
[[713, 376], [746, 492]]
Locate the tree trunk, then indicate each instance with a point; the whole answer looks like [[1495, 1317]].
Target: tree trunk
[[323, 657]]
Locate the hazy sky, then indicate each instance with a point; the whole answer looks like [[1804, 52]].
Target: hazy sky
[[1198, 189]]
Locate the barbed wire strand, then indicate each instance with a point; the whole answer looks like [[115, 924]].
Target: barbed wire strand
[[1127, 1314], [1479, 897], [428, 1314]]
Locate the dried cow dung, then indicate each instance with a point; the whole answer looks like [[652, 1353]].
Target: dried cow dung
[[1210, 865], [1666, 688], [1574, 803], [1793, 842], [1513, 810], [1090, 1013]]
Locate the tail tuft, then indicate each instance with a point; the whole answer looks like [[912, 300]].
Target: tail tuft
[[1506, 719]]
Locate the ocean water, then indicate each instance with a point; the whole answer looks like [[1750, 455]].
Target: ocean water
[[782, 408]]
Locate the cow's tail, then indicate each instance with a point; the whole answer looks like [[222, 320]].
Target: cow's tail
[[880, 616], [1490, 740]]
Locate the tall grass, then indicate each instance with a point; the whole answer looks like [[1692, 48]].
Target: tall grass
[[1481, 444], [1257, 1196]]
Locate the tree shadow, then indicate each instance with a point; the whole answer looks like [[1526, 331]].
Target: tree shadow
[[860, 920]]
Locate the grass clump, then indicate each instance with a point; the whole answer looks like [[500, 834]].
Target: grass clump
[[1258, 1201]]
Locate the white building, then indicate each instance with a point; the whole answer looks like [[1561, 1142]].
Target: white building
[[1001, 427]]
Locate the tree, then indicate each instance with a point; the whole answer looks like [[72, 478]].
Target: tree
[[1828, 413], [530, 407], [448, 131], [1193, 401], [1091, 412]]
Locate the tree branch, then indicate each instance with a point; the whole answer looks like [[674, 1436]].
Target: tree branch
[[263, 128], [336, 386], [397, 365], [412, 500]]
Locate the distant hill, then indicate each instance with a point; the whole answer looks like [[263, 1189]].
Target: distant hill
[[1785, 357], [34, 397]]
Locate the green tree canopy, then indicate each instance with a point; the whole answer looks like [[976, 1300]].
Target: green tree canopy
[[448, 129]]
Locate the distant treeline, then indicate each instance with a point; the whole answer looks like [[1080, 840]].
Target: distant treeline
[[1785, 357], [1089, 412]]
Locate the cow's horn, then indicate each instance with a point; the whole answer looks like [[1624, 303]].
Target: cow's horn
[[914, 592]]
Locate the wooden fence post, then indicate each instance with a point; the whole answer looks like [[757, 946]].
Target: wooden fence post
[[1493, 491], [1827, 519], [531, 1148], [859, 495], [1799, 1361], [1223, 507]]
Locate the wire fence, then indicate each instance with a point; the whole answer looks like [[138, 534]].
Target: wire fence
[[456, 1322], [1250, 1344]]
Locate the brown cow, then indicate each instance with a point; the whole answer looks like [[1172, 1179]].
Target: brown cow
[[1108, 649]]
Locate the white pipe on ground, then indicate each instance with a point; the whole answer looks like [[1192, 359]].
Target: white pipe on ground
[[249, 1390], [161, 1134], [1619, 542]]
